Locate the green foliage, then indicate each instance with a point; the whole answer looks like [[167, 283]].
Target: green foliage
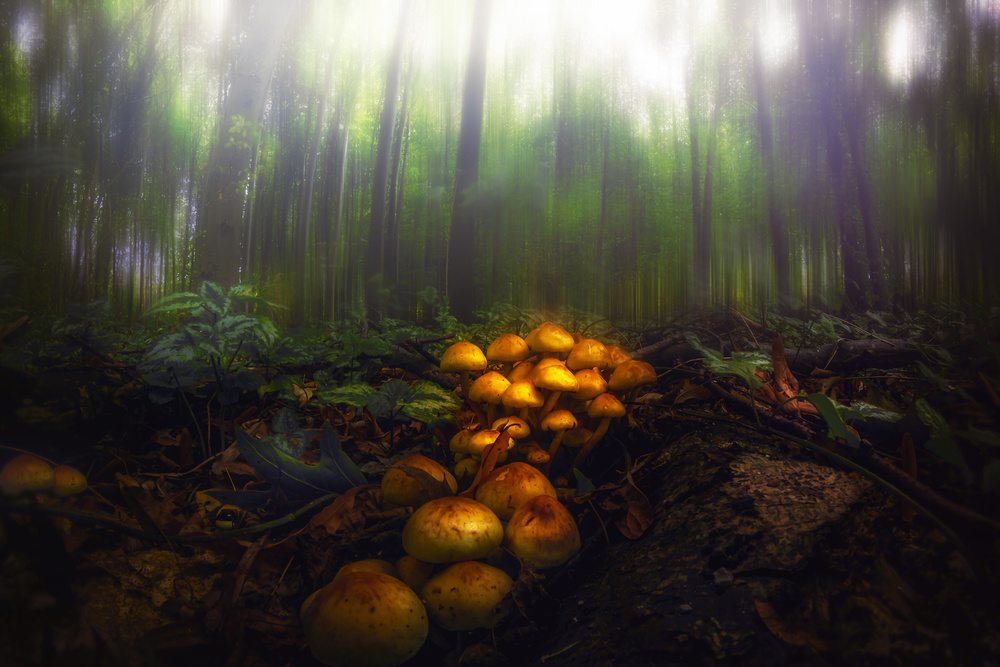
[[835, 414], [335, 473], [942, 442], [743, 365], [423, 401]]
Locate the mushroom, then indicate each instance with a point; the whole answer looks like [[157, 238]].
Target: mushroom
[[542, 532], [413, 572], [369, 565], [592, 384], [558, 421], [550, 339], [69, 481], [26, 473], [510, 486], [489, 388], [467, 596], [629, 375], [588, 353], [453, 528], [557, 379], [523, 395], [521, 370], [463, 357], [605, 407], [507, 349], [364, 619], [415, 479], [617, 355]]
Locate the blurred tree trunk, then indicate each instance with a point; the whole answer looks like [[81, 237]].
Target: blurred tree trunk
[[775, 221], [394, 198], [462, 239], [375, 256], [218, 246]]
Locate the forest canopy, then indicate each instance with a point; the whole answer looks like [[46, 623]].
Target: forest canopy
[[630, 159]]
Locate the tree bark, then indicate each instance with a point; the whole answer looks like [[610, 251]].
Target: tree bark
[[218, 249], [375, 256], [462, 238]]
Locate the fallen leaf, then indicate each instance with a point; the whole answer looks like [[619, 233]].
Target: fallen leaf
[[780, 628]]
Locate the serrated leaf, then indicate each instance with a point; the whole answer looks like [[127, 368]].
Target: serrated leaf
[[875, 412], [356, 394], [335, 472], [285, 421], [931, 417], [834, 414]]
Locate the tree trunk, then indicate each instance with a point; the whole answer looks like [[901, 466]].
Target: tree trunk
[[697, 287], [223, 192], [375, 255], [775, 223], [462, 239]]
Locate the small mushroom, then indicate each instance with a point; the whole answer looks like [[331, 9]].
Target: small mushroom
[[557, 421], [26, 473], [605, 407], [415, 479], [510, 486], [462, 358], [69, 481], [507, 349]]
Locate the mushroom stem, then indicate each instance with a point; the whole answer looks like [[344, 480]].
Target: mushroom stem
[[553, 448], [550, 404], [599, 432]]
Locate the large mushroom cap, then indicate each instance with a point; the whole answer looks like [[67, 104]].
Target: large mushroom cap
[[555, 377], [510, 486], [364, 619], [542, 532], [450, 529], [591, 384], [467, 595], [463, 356], [69, 481], [606, 405]]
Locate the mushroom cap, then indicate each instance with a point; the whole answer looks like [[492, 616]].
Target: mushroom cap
[[488, 388], [364, 618], [26, 473], [631, 373], [555, 378], [517, 427], [450, 529], [369, 565], [549, 337], [617, 355], [460, 441], [463, 356], [507, 348], [588, 353], [559, 420], [400, 488], [481, 440], [592, 383], [542, 532], [521, 370], [69, 481], [606, 405], [523, 394], [543, 364], [510, 486], [466, 595], [413, 572]]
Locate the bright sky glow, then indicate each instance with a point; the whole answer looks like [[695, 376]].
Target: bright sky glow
[[778, 34], [904, 47]]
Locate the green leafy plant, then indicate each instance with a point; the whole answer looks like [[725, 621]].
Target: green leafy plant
[[211, 348], [396, 400]]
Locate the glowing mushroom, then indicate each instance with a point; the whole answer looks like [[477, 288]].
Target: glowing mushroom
[[507, 349], [462, 358], [605, 407], [542, 532], [557, 421]]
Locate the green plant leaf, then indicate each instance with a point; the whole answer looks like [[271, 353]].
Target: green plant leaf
[[743, 365], [834, 414], [335, 472]]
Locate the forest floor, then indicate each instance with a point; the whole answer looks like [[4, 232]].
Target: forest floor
[[723, 526]]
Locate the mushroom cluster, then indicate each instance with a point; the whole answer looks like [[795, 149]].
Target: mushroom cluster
[[552, 387], [26, 473], [455, 573]]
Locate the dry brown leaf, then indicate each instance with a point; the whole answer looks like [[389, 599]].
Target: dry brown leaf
[[780, 628]]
